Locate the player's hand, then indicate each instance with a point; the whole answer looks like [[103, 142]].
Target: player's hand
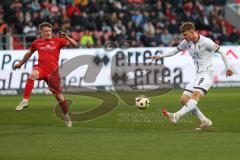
[[229, 73], [17, 66], [63, 34], [155, 57]]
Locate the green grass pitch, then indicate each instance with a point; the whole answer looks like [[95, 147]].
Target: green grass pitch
[[36, 133]]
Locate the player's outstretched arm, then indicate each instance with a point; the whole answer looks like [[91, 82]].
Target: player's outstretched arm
[[229, 72], [71, 41], [25, 58], [167, 54]]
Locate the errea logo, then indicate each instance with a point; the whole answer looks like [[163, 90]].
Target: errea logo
[[48, 47]]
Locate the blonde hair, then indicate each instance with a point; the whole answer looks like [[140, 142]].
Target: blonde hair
[[187, 26], [44, 24]]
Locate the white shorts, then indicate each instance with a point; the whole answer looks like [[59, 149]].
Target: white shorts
[[202, 83]]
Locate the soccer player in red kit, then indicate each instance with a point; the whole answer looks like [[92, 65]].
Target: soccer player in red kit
[[48, 48]]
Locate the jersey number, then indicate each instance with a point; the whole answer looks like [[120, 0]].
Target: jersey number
[[200, 81]]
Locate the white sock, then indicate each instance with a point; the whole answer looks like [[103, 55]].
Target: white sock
[[182, 111], [196, 111], [25, 100], [187, 108]]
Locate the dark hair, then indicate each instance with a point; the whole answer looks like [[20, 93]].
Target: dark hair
[[44, 24], [187, 26]]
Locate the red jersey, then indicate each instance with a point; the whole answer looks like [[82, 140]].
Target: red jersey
[[48, 52]]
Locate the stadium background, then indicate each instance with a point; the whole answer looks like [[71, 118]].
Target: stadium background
[[94, 22], [125, 133]]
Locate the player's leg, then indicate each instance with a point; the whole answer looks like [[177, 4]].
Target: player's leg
[[200, 87], [54, 85], [205, 122], [62, 102], [189, 102], [189, 99], [186, 96], [27, 90], [196, 111], [64, 106]]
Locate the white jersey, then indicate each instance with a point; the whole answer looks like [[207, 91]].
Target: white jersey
[[201, 52]]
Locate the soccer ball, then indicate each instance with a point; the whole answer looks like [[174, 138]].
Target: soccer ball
[[142, 102]]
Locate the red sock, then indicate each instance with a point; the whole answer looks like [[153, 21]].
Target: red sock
[[28, 88], [64, 106]]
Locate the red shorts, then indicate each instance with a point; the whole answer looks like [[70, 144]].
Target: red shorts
[[51, 78]]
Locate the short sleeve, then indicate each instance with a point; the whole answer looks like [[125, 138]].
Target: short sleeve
[[33, 47], [182, 46], [212, 46], [63, 42]]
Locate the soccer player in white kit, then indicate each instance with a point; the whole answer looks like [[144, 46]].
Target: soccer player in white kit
[[200, 49]]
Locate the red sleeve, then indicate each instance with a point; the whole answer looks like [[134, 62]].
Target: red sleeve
[[63, 42], [33, 47]]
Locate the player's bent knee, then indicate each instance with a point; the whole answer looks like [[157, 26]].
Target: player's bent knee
[[59, 97], [184, 99], [34, 75], [196, 95]]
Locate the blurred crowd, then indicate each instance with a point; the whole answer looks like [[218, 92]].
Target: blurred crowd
[[92, 23]]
